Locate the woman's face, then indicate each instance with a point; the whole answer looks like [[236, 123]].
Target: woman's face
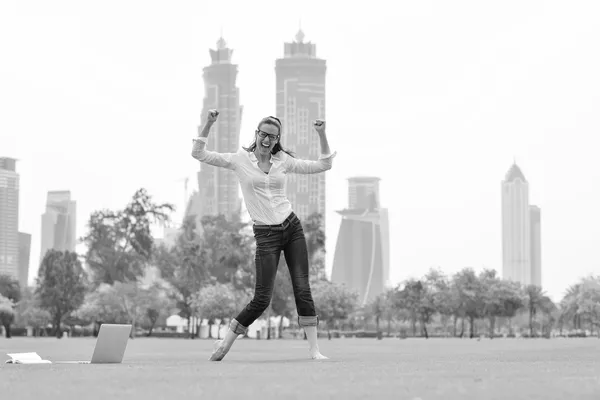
[[267, 136]]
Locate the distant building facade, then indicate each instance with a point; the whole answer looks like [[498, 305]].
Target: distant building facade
[[521, 231], [536, 244], [218, 188], [59, 223], [300, 99], [24, 256], [9, 217], [362, 253]]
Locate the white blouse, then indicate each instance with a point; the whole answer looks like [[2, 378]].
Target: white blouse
[[263, 193]]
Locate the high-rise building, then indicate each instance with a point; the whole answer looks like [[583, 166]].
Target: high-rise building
[[58, 223], [300, 98], [218, 188], [24, 253], [362, 191], [536, 245], [9, 217], [362, 252], [521, 245]]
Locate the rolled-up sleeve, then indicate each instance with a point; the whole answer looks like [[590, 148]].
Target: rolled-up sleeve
[[300, 166], [223, 160]]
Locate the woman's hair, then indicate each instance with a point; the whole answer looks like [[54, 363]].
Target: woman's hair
[[278, 146]]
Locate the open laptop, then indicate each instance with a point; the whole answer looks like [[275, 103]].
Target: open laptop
[[110, 345]]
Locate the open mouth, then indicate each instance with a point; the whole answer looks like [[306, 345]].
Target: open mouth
[[265, 145]]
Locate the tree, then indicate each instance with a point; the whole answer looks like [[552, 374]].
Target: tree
[[7, 314], [30, 314], [536, 301], [10, 288], [315, 244], [389, 313], [377, 308], [401, 308], [333, 302], [227, 249], [513, 300], [101, 306], [184, 267], [438, 298], [60, 285], [157, 306], [418, 298], [588, 301], [549, 310], [216, 301], [569, 307], [457, 306], [133, 301], [119, 244], [500, 298], [470, 296], [124, 303]]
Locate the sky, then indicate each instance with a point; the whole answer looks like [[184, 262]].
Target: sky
[[436, 98]]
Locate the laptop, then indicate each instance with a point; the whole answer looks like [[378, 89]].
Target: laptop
[[110, 345]]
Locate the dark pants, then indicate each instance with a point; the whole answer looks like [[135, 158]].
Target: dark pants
[[270, 241]]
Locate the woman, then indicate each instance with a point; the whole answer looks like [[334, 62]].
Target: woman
[[262, 169]]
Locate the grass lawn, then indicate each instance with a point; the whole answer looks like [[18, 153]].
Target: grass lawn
[[279, 369]]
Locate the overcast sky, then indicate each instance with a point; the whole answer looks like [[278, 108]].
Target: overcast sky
[[435, 97]]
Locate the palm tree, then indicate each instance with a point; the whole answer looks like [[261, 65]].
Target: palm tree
[[569, 306], [533, 301], [537, 301], [377, 308]]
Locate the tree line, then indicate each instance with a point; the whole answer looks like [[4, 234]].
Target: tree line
[[476, 304], [125, 276]]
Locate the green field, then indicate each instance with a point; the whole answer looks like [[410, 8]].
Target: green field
[[279, 369]]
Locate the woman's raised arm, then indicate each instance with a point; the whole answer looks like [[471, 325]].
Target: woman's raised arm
[[199, 152]]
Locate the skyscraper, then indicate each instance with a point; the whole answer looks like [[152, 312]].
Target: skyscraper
[[362, 252], [536, 245], [24, 253], [218, 188], [300, 98], [58, 223], [521, 240], [9, 217], [362, 192]]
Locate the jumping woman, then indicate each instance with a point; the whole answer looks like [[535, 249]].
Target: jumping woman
[[262, 171]]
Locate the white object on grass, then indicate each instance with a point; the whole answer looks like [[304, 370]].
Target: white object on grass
[[26, 358], [110, 348]]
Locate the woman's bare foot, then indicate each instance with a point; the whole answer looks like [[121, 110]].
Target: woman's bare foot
[[219, 351], [316, 355]]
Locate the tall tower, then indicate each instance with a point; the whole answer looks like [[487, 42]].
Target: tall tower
[[58, 223], [218, 187], [361, 260], [300, 98], [536, 245], [24, 253], [362, 192], [9, 217], [516, 228]]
